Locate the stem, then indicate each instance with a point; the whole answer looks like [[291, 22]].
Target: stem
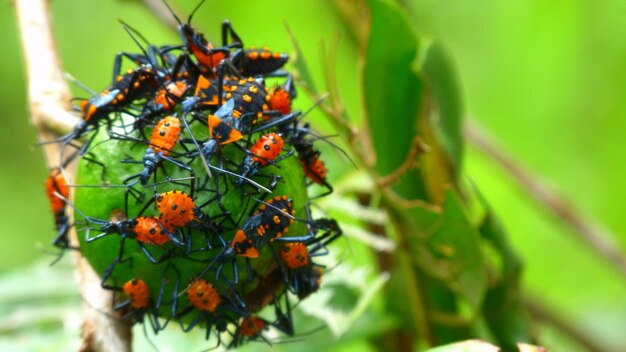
[[599, 239], [50, 111]]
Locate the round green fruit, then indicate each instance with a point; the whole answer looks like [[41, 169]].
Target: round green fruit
[[100, 195]]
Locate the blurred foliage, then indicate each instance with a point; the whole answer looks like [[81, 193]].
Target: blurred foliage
[[545, 77]]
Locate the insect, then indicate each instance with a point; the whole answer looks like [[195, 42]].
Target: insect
[[127, 88], [211, 308], [146, 230], [206, 53], [139, 303], [251, 327], [56, 184], [266, 150], [178, 210], [298, 271], [268, 223], [282, 97], [164, 138]]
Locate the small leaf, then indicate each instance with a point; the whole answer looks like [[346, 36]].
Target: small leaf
[[502, 308], [392, 92], [443, 83], [456, 247]]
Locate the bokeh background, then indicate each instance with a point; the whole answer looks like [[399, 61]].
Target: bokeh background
[[546, 78]]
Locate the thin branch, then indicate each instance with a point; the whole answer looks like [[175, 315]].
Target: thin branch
[[542, 313], [599, 239], [50, 110]]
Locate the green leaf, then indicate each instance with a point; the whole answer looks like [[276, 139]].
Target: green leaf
[[503, 308], [456, 248], [442, 81], [392, 92]]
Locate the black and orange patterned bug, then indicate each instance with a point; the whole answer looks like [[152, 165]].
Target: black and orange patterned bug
[[165, 99], [56, 186], [138, 303], [266, 150], [178, 210], [250, 97], [300, 274], [206, 53], [251, 327], [211, 308], [126, 89], [268, 223], [146, 230], [164, 138]]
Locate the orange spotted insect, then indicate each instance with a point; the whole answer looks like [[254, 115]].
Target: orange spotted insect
[[178, 210], [251, 327], [281, 97], [266, 150], [164, 138], [146, 230], [299, 273], [56, 186], [210, 307], [138, 303]]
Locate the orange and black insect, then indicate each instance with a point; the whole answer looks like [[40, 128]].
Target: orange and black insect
[[268, 223], [138, 303], [206, 53], [211, 308], [178, 210], [164, 138], [251, 327], [300, 274], [146, 230], [56, 186], [266, 150]]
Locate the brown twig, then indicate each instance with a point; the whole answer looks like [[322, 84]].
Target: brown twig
[[50, 110], [591, 233]]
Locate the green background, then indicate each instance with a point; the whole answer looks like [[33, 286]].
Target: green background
[[545, 77]]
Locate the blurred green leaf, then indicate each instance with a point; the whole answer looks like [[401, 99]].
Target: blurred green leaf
[[456, 247], [502, 308], [392, 92], [443, 83]]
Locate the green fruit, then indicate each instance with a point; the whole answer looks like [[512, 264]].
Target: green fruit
[[107, 203]]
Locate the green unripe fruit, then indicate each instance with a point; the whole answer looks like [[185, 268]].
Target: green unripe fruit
[[108, 203]]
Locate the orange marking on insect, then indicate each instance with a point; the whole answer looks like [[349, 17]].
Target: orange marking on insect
[[56, 183], [150, 230], [251, 326], [314, 169], [164, 96], [203, 295], [176, 208], [280, 100], [295, 255], [227, 134], [268, 147], [253, 55], [165, 135], [138, 293]]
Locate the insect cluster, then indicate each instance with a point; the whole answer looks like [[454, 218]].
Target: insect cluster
[[191, 195]]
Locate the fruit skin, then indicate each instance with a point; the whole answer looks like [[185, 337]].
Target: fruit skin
[[103, 203]]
